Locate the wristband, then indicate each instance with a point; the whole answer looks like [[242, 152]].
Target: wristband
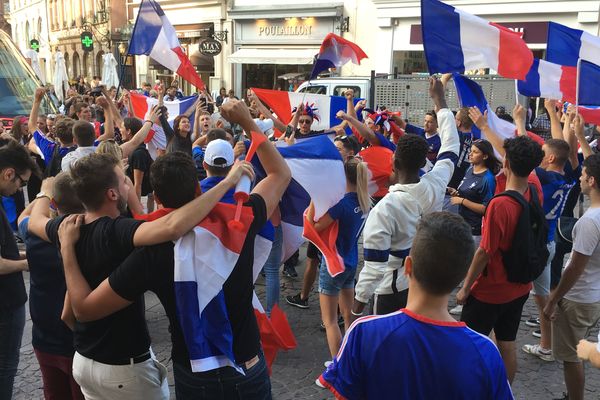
[[356, 314], [149, 121], [463, 200]]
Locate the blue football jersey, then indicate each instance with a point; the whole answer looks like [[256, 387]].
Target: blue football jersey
[[407, 356]]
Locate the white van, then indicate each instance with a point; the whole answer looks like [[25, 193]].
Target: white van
[[337, 86]]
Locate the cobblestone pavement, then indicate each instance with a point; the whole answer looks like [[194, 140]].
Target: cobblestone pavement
[[294, 372]]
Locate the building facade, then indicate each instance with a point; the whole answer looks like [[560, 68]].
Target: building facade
[[195, 22], [29, 20], [394, 26], [275, 43]]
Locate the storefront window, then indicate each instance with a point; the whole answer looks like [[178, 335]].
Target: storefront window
[[409, 62], [285, 77]]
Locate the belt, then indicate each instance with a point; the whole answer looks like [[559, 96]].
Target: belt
[[251, 362], [132, 360]]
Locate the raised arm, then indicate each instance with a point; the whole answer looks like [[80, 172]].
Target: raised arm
[[109, 121], [579, 125], [116, 115], [278, 177], [35, 109], [362, 129], [481, 122], [555, 128], [40, 213], [520, 116], [294, 122], [141, 135]]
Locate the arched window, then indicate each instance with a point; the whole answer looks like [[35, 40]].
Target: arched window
[[76, 65]]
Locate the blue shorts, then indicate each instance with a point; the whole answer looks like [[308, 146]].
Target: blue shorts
[[332, 286]]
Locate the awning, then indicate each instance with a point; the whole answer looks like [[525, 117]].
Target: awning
[[273, 56]]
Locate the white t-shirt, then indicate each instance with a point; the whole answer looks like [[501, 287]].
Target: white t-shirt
[[586, 240]]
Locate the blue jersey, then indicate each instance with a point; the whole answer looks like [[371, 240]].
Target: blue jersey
[[407, 356], [556, 188], [385, 142], [434, 141], [478, 188], [351, 219]]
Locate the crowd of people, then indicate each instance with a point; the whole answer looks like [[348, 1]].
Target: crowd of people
[[499, 213]]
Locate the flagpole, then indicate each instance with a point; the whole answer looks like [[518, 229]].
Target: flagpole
[[137, 18], [577, 87], [516, 92]]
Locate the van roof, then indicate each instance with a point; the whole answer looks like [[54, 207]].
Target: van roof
[[341, 78]]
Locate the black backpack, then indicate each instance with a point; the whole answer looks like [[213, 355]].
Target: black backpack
[[526, 259]]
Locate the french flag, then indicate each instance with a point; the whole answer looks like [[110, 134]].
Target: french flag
[[590, 114], [334, 53], [379, 161], [567, 45], [470, 94], [318, 175], [325, 107], [141, 109], [589, 84], [549, 80], [456, 41], [325, 241], [154, 36]]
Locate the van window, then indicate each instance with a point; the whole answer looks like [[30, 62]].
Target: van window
[[339, 90], [316, 89]]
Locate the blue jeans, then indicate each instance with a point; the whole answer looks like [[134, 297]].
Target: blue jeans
[[271, 269], [223, 383], [12, 323]]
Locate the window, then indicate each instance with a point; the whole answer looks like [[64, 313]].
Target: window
[[339, 90], [316, 89]]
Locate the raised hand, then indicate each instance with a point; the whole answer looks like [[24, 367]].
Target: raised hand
[[236, 111], [39, 94], [349, 94], [341, 115], [437, 94], [479, 119]]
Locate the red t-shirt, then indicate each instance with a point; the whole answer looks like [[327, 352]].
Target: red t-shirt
[[497, 235]]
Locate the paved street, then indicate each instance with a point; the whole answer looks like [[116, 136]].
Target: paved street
[[294, 372]]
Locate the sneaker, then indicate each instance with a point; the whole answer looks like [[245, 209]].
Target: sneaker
[[297, 301], [290, 271], [565, 396], [534, 322], [536, 350], [319, 384], [327, 363], [457, 310], [537, 333]]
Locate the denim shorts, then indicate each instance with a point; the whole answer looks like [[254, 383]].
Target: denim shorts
[[332, 286], [541, 285]]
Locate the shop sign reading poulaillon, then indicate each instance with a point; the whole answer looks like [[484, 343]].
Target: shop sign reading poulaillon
[[210, 47], [285, 30]]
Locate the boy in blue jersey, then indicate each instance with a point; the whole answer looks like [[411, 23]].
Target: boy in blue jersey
[[558, 173], [413, 353]]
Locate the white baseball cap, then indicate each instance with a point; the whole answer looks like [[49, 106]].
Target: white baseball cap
[[219, 153]]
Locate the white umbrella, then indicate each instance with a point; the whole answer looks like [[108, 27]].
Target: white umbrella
[[35, 64], [109, 71], [61, 80]]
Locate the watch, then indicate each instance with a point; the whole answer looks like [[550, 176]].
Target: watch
[[42, 194]]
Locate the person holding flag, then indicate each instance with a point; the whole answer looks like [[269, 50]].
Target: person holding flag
[[151, 268]]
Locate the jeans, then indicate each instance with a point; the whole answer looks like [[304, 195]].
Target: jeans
[[12, 323], [223, 383], [57, 375], [271, 269]]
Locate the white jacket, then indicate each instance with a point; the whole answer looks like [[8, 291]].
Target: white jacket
[[392, 223]]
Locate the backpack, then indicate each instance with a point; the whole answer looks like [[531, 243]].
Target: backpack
[[526, 259]]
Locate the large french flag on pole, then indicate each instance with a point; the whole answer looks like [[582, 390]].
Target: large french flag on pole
[[456, 41], [549, 80], [154, 36], [335, 52], [325, 107], [590, 114], [318, 175], [567, 45]]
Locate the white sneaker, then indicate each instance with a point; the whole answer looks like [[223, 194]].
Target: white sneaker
[[327, 363], [319, 384], [457, 310], [538, 351]]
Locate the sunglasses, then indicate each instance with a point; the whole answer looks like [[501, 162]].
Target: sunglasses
[[304, 121]]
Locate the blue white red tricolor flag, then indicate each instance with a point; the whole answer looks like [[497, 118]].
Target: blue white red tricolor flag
[[141, 109], [549, 80], [335, 52], [567, 45], [456, 41], [470, 94], [284, 103], [590, 114], [154, 36], [379, 162], [589, 84], [318, 175]]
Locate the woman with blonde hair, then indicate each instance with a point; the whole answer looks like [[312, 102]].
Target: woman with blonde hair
[[111, 147], [351, 213]]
